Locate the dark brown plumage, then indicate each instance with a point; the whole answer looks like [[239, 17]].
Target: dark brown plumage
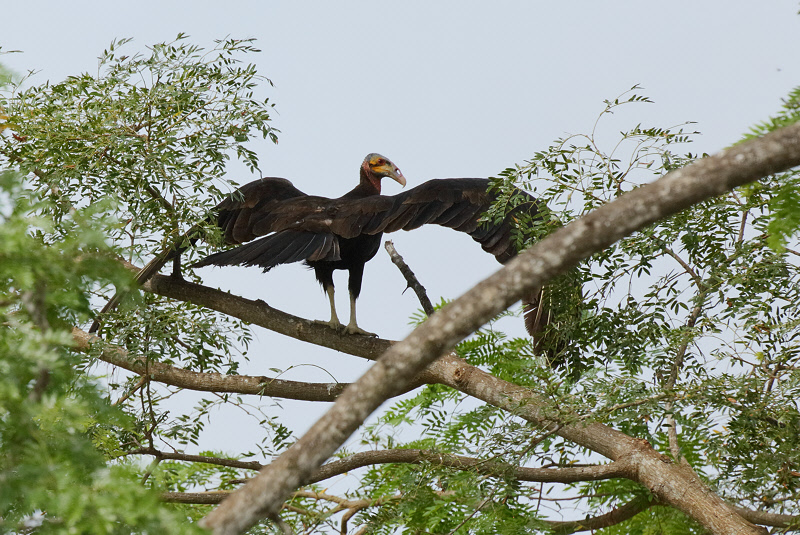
[[345, 233]]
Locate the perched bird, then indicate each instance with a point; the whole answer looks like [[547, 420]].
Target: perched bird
[[345, 233]]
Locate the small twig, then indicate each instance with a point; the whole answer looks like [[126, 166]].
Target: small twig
[[411, 279], [742, 227], [471, 515], [692, 273], [677, 364], [142, 380], [152, 466], [791, 251]]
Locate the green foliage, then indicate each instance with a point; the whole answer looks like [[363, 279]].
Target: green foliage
[[154, 132], [99, 166], [51, 412]]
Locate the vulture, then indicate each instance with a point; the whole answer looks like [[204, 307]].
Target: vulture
[[271, 222], [345, 233]]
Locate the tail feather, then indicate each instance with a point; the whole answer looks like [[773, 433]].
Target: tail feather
[[282, 248], [536, 316]]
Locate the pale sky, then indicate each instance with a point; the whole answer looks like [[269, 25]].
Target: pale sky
[[444, 89]]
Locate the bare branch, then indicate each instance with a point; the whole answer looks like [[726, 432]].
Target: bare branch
[[677, 364], [491, 467], [233, 463], [199, 498], [411, 279], [676, 485], [260, 313], [766, 518], [207, 381], [139, 384], [687, 268]]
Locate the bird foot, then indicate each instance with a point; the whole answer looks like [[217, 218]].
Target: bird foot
[[345, 329], [355, 329], [335, 325]]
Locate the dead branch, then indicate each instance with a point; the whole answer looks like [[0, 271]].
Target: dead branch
[[411, 279]]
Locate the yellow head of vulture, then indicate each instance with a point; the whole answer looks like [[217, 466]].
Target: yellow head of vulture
[[376, 167]]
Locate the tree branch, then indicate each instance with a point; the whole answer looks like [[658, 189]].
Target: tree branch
[[482, 466], [451, 370], [611, 518], [676, 485], [616, 516], [233, 463], [411, 279], [766, 518], [207, 381]]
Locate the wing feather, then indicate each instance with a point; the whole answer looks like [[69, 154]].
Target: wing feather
[[273, 206], [281, 248]]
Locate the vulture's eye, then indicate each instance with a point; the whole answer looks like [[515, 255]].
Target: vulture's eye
[[380, 162]]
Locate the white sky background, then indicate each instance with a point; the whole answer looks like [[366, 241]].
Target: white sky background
[[444, 89]]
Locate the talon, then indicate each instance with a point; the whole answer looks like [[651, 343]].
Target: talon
[[355, 329], [335, 325]]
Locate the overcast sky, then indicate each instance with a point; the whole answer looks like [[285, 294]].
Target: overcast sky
[[444, 89]]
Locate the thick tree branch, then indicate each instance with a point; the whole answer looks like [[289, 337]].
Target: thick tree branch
[[676, 485], [260, 313]]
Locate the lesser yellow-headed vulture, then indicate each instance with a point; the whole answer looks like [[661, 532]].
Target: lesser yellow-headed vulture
[[345, 233]]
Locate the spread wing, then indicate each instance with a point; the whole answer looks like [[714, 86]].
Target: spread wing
[[242, 214], [301, 227], [456, 203]]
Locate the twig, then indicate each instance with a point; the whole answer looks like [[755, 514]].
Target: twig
[[677, 364], [163, 455], [613, 517], [142, 380], [692, 273], [411, 279], [471, 515]]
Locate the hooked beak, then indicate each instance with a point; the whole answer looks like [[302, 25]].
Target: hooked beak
[[395, 174]]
